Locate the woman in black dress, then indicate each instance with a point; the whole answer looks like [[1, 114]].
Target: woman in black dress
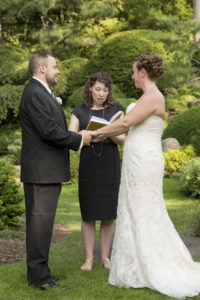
[[99, 168]]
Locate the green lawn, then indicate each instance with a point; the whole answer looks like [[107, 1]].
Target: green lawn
[[67, 256]]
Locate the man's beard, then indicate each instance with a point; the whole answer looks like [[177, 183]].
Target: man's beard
[[51, 81]]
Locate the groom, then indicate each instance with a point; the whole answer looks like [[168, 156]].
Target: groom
[[44, 163]]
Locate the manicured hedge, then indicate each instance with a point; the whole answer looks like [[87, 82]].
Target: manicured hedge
[[116, 56], [184, 126]]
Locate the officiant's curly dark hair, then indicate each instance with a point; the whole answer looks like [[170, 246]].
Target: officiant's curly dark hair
[[102, 77]]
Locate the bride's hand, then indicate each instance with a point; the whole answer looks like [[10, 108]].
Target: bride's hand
[[97, 139], [94, 133]]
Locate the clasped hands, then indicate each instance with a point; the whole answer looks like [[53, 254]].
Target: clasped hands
[[91, 136]]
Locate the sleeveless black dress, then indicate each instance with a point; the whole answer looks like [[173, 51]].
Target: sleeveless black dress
[[99, 170]]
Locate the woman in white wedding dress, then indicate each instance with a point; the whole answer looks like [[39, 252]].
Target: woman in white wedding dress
[[147, 250]]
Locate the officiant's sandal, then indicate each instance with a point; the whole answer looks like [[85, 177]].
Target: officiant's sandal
[[105, 262], [87, 266]]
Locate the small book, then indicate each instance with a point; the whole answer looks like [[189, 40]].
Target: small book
[[96, 122]]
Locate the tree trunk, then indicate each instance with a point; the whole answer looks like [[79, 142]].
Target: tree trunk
[[1, 38], [196, 14], [62, 16], [45, 22]]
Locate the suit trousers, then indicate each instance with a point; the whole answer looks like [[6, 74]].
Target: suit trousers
[[41, 203]]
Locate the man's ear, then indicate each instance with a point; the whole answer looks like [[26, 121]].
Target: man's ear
[[42, 68]]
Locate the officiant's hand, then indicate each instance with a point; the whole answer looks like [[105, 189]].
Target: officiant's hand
[[86, 137]]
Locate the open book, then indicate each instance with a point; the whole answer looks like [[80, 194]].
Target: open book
[[96, 122]]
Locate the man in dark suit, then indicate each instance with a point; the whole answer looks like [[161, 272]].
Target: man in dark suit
[[44, 163]]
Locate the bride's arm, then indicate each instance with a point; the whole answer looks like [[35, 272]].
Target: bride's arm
[[145, 107]]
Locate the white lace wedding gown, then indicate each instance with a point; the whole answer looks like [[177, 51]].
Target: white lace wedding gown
[[147, 250]]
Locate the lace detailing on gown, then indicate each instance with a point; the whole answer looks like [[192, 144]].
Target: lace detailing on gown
[[147, 250]]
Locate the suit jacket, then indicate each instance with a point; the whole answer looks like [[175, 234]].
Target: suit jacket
[[45, 137]]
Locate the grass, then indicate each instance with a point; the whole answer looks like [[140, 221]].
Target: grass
[[67, 256]]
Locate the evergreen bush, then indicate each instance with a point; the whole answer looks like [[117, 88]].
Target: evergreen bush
[[13, 65], [116, 56], [14, 149], [190, 178], [195, 140], [72, 75], [10, 96], [184, 126], [125, 102], [175, 158], [10, 198], [8, 133]]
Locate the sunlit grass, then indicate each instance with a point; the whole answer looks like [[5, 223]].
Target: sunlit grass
[[67, 256]]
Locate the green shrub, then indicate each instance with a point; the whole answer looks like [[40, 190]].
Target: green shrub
[[10, 198], [72, 75], [125, 102], [10, 96], [177, 102], [175, 158], [74, 163], [190, 178], [14, 148], [7, 135], [77, 96], [13, 65], [184, 126], [116, 56], [195, 140], [178, 99], [178, 64]]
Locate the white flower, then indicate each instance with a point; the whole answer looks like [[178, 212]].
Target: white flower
[[59, 100]]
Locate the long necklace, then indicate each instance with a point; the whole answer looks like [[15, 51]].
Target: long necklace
[[101, 143]]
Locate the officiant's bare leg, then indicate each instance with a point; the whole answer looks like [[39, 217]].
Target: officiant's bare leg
[[106, 235], [88, 235]]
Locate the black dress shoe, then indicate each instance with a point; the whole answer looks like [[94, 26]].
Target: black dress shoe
[[51, 284], [54, 277]]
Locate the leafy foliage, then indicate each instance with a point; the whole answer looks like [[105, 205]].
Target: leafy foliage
[[116, 56], [184, 126], [175, 158], [10, 198], [148, 14], [190, 178], [72, 75], [195, 140], [13, 65], [10, 96], [125, 102], [178, 99], [14, 149]]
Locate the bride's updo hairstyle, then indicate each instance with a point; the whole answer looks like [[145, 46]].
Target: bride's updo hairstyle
[[152, 63]]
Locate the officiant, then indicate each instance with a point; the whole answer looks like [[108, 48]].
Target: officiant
[[99, 168]]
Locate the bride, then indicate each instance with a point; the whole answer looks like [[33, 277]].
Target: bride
[[147, 250]]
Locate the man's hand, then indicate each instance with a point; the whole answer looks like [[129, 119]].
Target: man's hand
[[86, 137]]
